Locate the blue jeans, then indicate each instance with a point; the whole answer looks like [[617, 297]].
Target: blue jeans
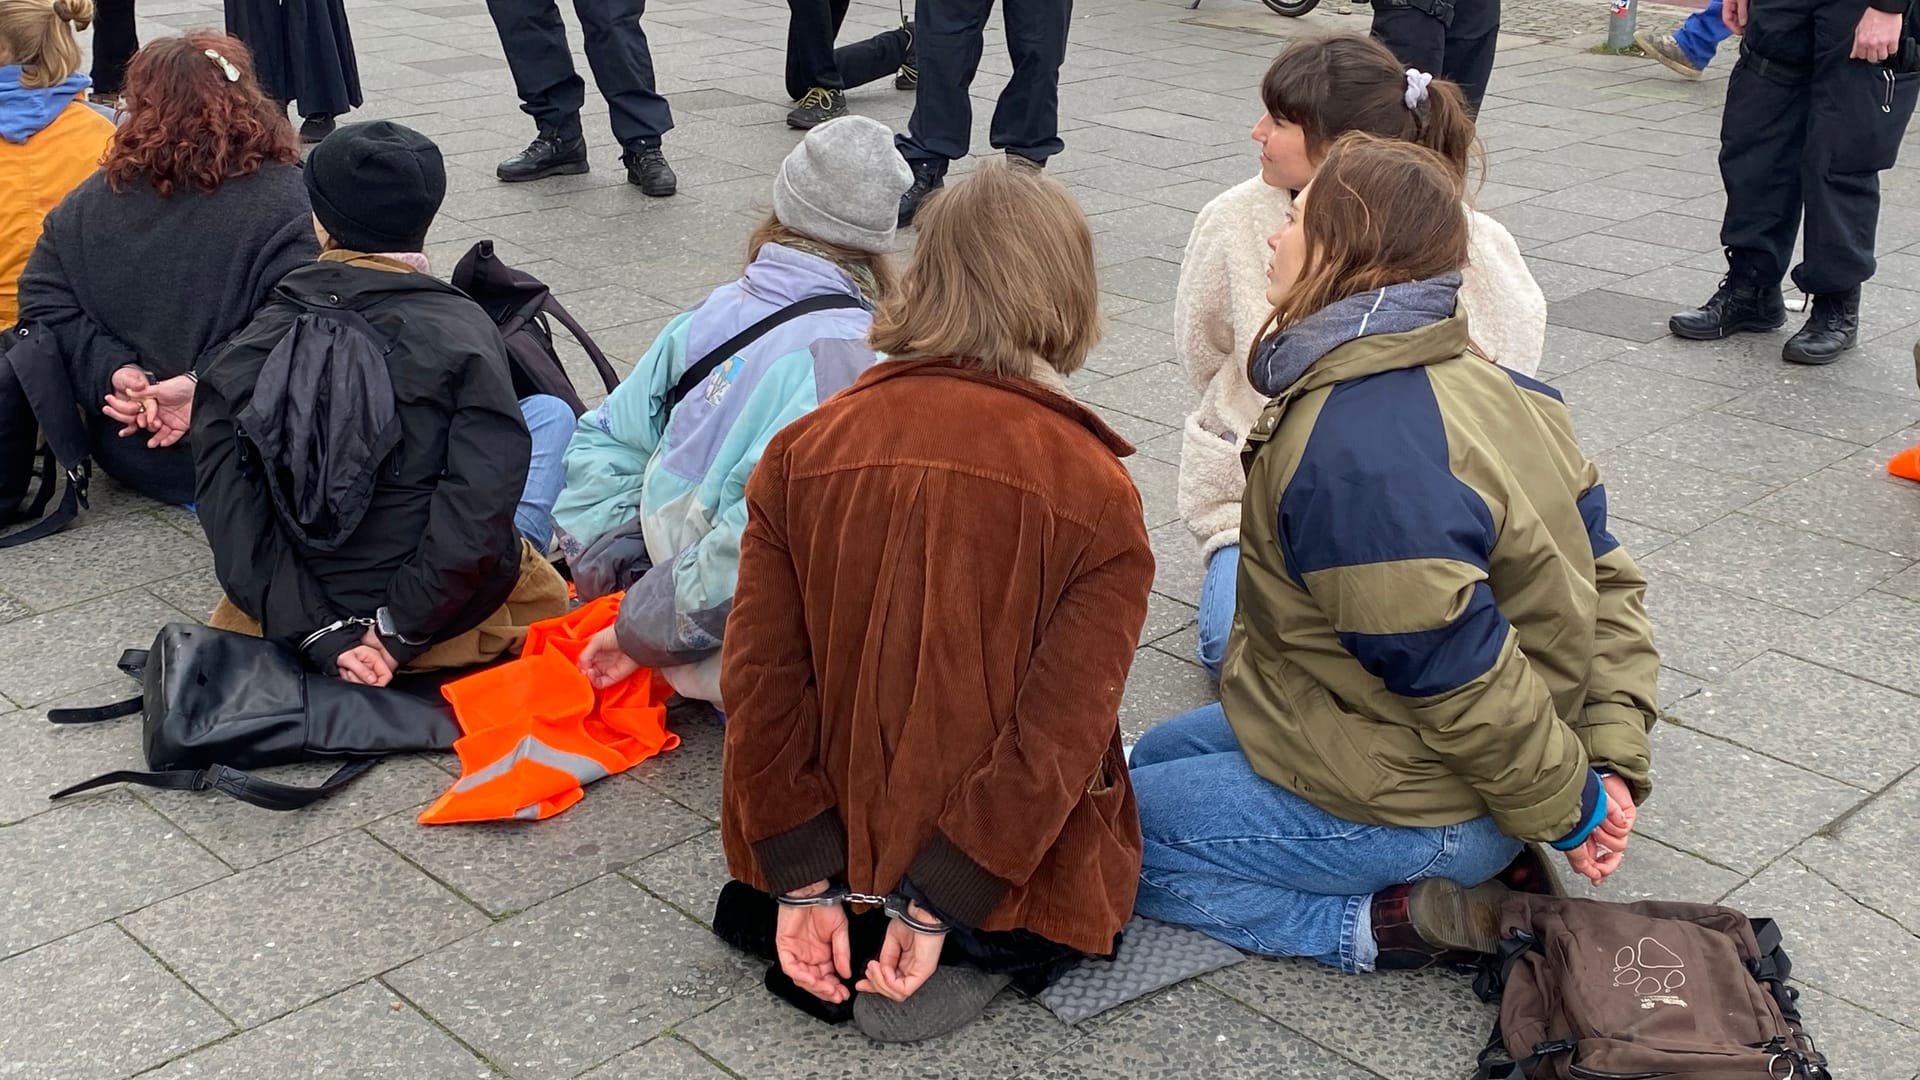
[[550, 421], [1700, 36], [1216, 606], [1246, 861]]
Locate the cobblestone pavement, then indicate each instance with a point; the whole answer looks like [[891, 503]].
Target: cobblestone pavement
[[176, 936]]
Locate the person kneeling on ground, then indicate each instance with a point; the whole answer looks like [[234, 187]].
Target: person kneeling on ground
[[655, 494], [1440, 651], [942, 581], [362, 461]]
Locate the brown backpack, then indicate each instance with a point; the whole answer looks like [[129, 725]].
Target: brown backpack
[[1597, 991]]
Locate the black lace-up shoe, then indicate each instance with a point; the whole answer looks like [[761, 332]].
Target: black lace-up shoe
[[551, 153], [647, 169], [1833, 328]]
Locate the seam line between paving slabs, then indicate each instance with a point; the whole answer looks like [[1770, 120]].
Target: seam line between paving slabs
[[1204, 981], [1869, 793], [381, 981]]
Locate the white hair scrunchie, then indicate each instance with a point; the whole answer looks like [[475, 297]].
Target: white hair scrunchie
[[1417, 83]]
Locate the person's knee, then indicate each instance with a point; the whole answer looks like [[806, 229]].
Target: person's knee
[[548, 418], [1212, 648]]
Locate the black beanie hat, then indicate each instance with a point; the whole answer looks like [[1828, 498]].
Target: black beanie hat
[[376, 186]]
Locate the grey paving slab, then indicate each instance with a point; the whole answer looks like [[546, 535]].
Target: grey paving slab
[[1567, 350], [1693, 800], [1613, 403], [362, 1033], [1874, 509], [1561, 280], [509, 866], [1160, 687], [1177, 569], [1191, 1030], [194, 593], [103, 556], [1616, 314], [1856, 1041], [1820, 719], [97, 857], [44, 757], [688, 875], [690, 773], [1839, 412], [1876, 637], [1837, 945], [1158, 483], [575, 981], [1867, 854], [55, 654], [1653, 871], [273, 938], [1905, 584], [244, 836], [1405, 1025], [663, 1057], [1672, 495], [1750, 449], [1777, 563], [95, 1005], [1617, 254], [1639, 540], [758, 1035]]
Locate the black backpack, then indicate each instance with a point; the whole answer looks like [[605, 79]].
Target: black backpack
[[519, 304], [41, 438]]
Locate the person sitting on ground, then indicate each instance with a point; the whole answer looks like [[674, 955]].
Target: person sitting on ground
[[942, 581], [1440, 651], [655, 494], [154, 261], [368, 482], [1316, 91]]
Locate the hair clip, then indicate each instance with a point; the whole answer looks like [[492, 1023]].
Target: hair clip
[[226, 66]]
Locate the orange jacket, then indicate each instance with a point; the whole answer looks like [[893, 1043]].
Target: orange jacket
[[34, 177]]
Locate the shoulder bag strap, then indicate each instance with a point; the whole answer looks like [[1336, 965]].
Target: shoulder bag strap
[[698, 372], [266, 794], [608, 377]]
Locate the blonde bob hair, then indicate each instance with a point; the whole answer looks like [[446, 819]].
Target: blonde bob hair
[[38, 35], [1002, 278]]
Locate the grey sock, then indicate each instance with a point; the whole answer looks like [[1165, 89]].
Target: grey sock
[[949, 1000]]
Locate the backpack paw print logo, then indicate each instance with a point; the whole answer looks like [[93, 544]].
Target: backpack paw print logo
[[1652, 971]]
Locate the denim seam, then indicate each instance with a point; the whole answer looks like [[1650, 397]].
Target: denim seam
[[1357, 906]]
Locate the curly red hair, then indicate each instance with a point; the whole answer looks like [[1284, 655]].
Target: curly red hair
[[189, 126]]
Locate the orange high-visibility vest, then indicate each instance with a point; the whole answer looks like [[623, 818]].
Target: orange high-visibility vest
[[536, 732]]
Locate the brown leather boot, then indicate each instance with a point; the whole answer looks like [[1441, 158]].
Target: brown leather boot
[[1531, 871], [1435, 923]]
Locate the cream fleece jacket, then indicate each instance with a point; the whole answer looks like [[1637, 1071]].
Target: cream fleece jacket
[[1222, 302]]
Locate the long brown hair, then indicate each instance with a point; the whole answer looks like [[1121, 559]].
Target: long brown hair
[[189, 126], [775, 231], [1379, 212], [1003, 276], [1330, 86], [38, 35]]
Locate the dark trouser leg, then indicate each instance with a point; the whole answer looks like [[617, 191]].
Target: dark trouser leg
[[1858, 116], [947, 41], [623, 69], [114, 43], [1026, 120], [535, 40], [1470, 47], [1417, 38], [812, 26], [862, 62], [1763, 139]]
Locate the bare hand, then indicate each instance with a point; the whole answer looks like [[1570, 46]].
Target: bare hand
[[1877, 37], [1600, 855], [166, 409], [1734, 14], [121, 404], [604, 663], [371, 640], [368, 667], [907, 959], [811, 943]]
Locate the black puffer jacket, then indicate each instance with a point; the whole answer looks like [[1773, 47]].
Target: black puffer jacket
[[434, 539]]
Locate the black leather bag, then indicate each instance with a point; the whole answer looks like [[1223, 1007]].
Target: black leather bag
[[217, 703]]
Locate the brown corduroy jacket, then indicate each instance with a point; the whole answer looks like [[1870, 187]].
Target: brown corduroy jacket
[[942, 583]]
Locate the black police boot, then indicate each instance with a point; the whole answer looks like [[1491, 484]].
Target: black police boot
[[1744, 304], [928, 177], [647, 169], [316, 127], [551, 153], [1833, 328]]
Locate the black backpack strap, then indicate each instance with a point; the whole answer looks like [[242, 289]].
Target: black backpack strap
[[266, 794], [608, 377], [97, 713], [37, 365], [697, 373]]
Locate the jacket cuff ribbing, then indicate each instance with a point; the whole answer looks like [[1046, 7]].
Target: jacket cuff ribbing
[[958, 889], [1892, 7], [814, 850]]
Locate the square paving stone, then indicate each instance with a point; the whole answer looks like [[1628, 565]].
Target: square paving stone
[[1876, 637], [1639, 540], [576, 980], [1823, 720], [96, 1005], [1837, 945], [1905, 584], [1406, 1025], [1191, 1031], [102, 556], [689, 774], [1778, 563], [1825, 408], [1653, 871], [194, 593], [1559, 280], [1613, 402], [1878, 510], [1177, 570], [55, 654], [1124, 347], [1694, 800], [1857, 1042], [1615, 314], [1158, 483], [1616, 254], [661, 1058], [1160, 687], [92, 859], [688, 875], [45, 757], [508, 866], [1707, 632], [1159, 393], [362, 1033], [243, 836], [1750, 449], [758, 1035], [271, 939], [1671, 495], [1868, 854]]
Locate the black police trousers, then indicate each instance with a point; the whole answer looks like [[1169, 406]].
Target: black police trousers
[[948, 36], [535, 41], [1451, 39]]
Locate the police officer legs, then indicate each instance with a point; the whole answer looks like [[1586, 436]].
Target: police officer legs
[[1816, 108], [1454, 39], [948, 38], [552, 92]]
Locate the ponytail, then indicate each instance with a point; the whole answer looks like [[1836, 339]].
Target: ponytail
[[1447, 128], [39, 36]]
